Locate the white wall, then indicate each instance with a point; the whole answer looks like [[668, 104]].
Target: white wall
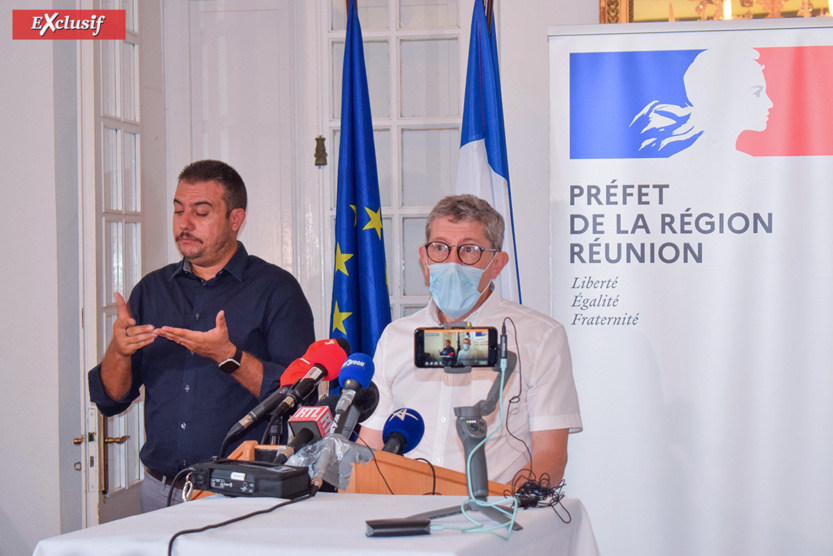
[[29, 297], [524, 69]]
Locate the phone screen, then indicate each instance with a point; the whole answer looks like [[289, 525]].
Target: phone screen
[[455, 347]]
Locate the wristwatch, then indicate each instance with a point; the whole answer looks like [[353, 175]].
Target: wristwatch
[[232, 363]]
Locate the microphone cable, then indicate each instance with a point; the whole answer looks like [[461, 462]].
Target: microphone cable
[[233, 520], [173, 482], [517, 397], [533, 492]]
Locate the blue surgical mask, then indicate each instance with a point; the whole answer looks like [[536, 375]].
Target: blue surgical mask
[[453, 287], [466, 347]]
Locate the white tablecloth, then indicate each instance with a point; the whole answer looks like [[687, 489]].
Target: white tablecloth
[[328, 524]]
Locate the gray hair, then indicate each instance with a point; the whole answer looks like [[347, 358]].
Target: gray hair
[[469, 208]]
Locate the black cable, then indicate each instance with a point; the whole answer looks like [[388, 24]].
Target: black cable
[[537, 493], [379, 469], [233, 520], [434, 476], [517, 397]]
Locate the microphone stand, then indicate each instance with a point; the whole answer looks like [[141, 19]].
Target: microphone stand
[[471, 427]]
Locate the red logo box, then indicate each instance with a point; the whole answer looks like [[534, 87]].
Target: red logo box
[[68, 25]]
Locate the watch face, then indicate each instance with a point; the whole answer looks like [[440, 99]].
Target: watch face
[[232, 364]]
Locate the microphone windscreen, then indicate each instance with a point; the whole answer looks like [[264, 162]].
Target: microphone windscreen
[[409, 424], [331, 356], [366, 401], [345, 345], [358, 367], [295, 372]]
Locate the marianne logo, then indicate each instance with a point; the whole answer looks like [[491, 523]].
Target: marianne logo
[[68, 25], [660, 104]]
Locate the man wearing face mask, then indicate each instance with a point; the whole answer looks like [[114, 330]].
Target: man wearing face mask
[[461, 256]]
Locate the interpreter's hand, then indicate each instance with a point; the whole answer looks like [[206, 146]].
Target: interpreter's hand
[[213, 344], [128, 338]]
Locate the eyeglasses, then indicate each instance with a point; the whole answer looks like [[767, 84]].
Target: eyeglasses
[[468, 253]]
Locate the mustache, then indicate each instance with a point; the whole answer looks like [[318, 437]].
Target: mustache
[[186, 235]]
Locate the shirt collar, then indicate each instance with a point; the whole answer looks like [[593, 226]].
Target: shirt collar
[[236, 265]]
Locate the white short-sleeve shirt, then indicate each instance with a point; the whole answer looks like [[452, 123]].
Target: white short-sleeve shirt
[[543, 379]]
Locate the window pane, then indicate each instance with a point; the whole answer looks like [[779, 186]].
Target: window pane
[[391, 265], [109, 317], [109, 78], [113, 260], [384, 165], [131, 15], [413, 235], [429, 165], [130, 92], [111, 170], [373, 14], [376, 61], [132, 180], [132, 256], [381, 139], [116, 471], [408, 310], [427, 14], [430, 77]]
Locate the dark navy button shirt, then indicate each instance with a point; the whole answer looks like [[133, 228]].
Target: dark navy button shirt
[[190, 404]]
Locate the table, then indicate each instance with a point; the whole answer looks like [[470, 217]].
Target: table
[[328, 524]]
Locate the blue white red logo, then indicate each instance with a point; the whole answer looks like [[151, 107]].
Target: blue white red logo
[[770, 101]]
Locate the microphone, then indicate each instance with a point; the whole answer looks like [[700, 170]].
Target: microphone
[[308, 424], [355, 375], [403, 431], [325, 364], [294, 372], [328, 351], [364, 405]]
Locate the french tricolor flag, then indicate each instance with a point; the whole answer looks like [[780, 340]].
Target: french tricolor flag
[[482, 169]]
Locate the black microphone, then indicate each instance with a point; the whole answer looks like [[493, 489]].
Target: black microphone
[[294, 372], [331, 353], [403, 431], [364, 404]]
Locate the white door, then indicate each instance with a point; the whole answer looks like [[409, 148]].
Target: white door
[[123, 185]]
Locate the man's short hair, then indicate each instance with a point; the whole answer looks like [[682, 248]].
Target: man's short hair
[[469, 208], [215, 170]]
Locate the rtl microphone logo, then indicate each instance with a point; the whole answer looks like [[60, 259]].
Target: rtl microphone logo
[[68, 25]]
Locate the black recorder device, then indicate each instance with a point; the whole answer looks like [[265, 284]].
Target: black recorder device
[[456, 348], [251, 478]]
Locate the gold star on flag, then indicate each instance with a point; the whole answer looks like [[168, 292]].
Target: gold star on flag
[[341, 259], [355, 215], [375, 222], [338, 320]]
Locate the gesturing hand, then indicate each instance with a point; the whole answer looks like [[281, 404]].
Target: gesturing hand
[[214, 344], [128, 338]]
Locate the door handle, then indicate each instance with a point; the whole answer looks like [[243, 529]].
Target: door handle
[[116, 439]]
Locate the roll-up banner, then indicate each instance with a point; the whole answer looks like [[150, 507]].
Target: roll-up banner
[[691, 192]]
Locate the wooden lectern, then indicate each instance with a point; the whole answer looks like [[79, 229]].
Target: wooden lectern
[[408, 476]]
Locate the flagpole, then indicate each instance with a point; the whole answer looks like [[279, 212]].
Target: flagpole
[[489, 10]]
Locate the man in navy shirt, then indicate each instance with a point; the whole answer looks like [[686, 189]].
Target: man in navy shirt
[[208, 337]]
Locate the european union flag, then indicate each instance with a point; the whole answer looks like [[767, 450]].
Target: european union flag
[[361, 307]]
